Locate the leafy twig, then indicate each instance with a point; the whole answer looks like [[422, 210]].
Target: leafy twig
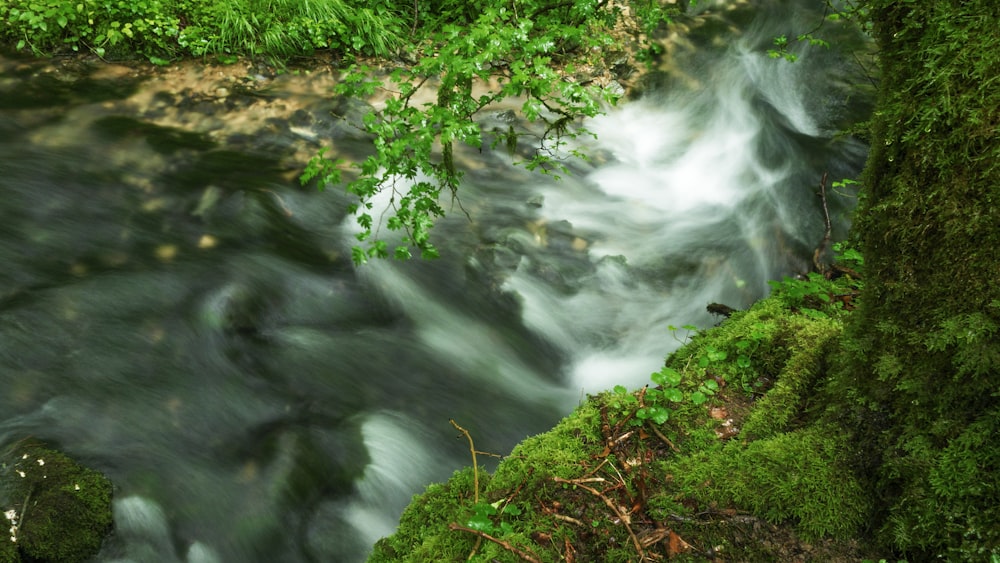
[[475, 483]]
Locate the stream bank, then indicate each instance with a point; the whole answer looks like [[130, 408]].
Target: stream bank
[[747, 475]]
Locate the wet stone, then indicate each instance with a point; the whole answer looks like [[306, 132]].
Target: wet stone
[[301, 118]]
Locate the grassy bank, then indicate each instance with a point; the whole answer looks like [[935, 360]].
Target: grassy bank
[[161, 30]]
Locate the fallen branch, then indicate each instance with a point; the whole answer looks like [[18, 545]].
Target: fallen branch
[[483, 535]]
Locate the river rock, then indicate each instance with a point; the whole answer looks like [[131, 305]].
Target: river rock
[[56, 509]]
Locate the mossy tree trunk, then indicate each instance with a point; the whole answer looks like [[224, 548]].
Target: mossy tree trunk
[[925, 346]]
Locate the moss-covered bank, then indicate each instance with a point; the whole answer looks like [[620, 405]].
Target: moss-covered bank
[[751, 474]]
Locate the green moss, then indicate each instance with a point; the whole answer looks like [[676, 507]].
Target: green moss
[[951, 495], [808, 342], [62, 509], [423, 533], [923, 349], [795, 476], [556, 453]]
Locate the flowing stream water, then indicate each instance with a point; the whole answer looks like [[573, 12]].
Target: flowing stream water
[[177, 312]]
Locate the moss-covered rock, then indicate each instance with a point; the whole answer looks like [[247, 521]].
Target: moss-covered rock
[[56, 509]]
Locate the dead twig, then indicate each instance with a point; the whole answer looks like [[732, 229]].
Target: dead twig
[[569, 550], [517, 491], [622, 515], [664, 438], [475, 464], [475, 478], [569, 519], [483, 535], [820, 267]]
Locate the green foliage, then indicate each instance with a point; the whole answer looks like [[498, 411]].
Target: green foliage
[[849, 256], [415, 141], [658, 403], [855, 12], [284, 28], [525, 52], [518, 51], [160, 30], [780, 49], [813, 296], [487, 517], [145, 26]]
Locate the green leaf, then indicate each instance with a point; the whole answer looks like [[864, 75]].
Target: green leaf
[[480, 522], [667, 377], [358, 255], [673, 394], [698, 397], [659, 415]]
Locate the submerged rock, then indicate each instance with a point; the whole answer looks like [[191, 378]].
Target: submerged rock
[[55, 508]]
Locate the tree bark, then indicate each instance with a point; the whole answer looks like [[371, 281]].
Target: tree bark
[[923, 350]]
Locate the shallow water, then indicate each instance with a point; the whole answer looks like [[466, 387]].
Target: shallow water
[[177, 312]]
